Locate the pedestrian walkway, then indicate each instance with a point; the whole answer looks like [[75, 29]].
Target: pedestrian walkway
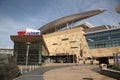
[[37, 74], [81, 72]]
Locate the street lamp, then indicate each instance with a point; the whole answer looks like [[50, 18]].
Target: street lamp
[[28, 44], [81, 54], [67, 56]]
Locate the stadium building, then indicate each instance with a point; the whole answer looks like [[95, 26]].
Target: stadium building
[[57, 41]]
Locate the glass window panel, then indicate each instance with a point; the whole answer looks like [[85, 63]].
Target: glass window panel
[[109, 38]]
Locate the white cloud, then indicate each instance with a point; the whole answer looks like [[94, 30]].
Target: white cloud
[[8, 27], [34, 19]]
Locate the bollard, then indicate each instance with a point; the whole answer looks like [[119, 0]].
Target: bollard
[[30, 68], [33, 67], [25, 69], [37, 66], [21, 70]]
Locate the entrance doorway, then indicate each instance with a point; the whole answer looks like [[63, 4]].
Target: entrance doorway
[[64, 58]]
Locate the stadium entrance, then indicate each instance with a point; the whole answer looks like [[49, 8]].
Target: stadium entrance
[[63, 58]]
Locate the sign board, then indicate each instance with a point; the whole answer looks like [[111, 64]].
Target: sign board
[[21, 32], [29, 31]]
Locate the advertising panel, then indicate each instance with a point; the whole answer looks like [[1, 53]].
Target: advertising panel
[[29, 31]]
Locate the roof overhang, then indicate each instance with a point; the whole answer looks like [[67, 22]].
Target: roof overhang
[[62, 22], [26, 38]]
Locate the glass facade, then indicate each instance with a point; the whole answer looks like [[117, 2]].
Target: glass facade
[[104, 39], [34, 53]]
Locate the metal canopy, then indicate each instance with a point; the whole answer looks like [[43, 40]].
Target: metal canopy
[[62, 22]]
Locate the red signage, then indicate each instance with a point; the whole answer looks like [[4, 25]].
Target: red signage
[[21, 32]]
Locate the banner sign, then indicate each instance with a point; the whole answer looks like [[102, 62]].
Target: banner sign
[[29, 31]]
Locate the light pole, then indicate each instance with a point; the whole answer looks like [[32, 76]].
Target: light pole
[[81, 52], [27, 52], [67, 56]]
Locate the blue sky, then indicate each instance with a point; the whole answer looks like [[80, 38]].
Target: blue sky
[[17, 15]]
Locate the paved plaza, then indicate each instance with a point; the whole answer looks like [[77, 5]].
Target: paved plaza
[[81, 72], [65, 72]]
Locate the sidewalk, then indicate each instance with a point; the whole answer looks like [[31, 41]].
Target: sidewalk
[[81, 72]]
